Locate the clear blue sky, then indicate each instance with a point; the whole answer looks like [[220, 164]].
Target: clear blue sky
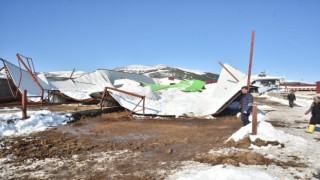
[[86, 35]]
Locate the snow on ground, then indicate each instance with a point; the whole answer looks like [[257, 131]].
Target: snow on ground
[[266, 132], [303, 101], [199, 171], [5, 109], [299, 147], [12, 124]]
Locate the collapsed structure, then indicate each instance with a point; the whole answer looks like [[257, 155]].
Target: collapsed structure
[[128, 90]]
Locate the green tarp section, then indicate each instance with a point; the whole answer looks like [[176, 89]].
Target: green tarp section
[[185, 86]]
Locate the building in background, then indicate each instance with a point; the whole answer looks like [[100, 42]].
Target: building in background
[[263, 83]]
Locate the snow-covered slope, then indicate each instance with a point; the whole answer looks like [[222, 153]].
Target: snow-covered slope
[[162, 71]]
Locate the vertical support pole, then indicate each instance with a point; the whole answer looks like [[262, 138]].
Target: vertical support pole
[[254, 120], [144, 100], [72, 73], [105, 91], [251, 56], [24, 104]]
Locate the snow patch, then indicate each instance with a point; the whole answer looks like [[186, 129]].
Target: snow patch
[[266, 132], [12, 124], [198, 171]]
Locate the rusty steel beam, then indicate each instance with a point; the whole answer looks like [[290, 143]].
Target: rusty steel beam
[[143, 105], [24, 104], [136, 107], [229, 72], [31, 74], [34, 104], [72, 73], [254, 120], [125, 92], [128, 93], [102, 97], [250, 59], [229, 102], [1, 68]]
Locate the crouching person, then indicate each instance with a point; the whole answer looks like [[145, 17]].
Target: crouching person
[[315, 111], [246, 108]]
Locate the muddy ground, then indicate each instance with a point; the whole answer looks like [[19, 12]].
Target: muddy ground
[[113, 146], [148, 143]]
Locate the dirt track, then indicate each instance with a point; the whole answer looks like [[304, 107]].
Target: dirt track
[[146, 148]]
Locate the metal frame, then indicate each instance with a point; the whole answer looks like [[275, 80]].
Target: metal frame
[[143, 99], [29, 70]]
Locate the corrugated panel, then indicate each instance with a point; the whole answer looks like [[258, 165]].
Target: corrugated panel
[[27, 82], [111, 76]]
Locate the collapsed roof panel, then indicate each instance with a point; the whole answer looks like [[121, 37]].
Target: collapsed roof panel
[[111, 76], [24, 81], [172, 101], [175, 102]]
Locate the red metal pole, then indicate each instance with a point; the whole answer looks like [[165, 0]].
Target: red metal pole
[[24, 104], [144, 102], [31, 74], [229, 72], [72, 73], [254, 120], [251, 56], [126, 92]]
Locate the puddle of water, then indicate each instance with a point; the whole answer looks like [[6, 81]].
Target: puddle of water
[[76, 128], [134, 136]]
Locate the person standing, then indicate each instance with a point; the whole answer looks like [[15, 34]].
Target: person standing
[[315, 111], [291, 97], [246, 107]]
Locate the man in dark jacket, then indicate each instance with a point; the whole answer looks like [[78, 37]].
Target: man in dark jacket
[[315, 111], [246, 107], [291, 98]]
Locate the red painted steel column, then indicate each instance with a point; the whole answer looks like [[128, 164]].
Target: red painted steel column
[[72, 73], [24, 104], [254, 120], [251, 56], [318, 87]]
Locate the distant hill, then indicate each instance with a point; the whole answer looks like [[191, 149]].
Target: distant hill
[[158, 71], [162, 71]]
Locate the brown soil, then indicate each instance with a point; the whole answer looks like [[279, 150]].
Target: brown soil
[[153, 141], [245, 143], [247, 158]]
